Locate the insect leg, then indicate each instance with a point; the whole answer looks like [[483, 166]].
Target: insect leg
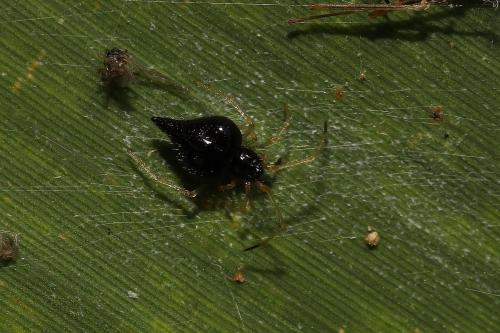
[[373, 10]]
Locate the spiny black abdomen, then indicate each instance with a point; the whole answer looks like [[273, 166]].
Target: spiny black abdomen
[[208, 144]]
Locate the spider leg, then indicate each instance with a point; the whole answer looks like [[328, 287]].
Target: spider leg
[[227, 187], [282, 227], [263, 187], [249, 131], [277, 136], [224, 189], [308, 159], [248, 189], [227, 201], [154, 77], [141, 165]]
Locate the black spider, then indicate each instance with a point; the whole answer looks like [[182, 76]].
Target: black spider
[[211, 147]]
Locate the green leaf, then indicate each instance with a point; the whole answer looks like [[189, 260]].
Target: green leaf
[[103, 248]]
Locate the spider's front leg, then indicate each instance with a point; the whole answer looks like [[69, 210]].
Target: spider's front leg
[[249, 131], [308, 159], [286, 123]]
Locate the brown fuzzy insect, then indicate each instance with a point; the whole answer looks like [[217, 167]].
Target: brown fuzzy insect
[[116, 71], [120, 69]]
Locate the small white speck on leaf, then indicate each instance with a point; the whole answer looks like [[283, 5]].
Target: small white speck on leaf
[[132, 294]]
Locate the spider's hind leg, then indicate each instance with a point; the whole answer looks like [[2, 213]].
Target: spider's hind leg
[[141, 165]]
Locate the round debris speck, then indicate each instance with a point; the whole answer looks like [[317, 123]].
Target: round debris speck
[[372, 238]]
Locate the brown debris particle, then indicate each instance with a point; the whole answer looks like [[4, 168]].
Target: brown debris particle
[[372, 238], [437, 113], [362, 75], [238, 277], [29, 75], [339, 93]]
